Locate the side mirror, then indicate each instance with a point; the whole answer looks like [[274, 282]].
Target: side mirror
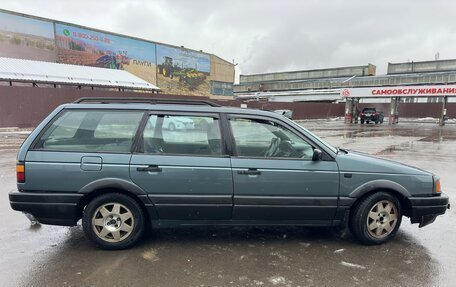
[[317, 154]]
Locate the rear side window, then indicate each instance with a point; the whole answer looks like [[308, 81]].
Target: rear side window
[[178, 134], [91, 131]]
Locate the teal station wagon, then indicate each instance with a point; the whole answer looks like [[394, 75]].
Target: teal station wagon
[[119, 165]]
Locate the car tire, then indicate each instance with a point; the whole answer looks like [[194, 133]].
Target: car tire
[[367, 122], [376, 218], [171, 127], [113, 221], [362, 121]]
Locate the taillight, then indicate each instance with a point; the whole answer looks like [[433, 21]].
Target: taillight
[[20, 172]]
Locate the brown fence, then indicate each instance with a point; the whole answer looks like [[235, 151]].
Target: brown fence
[[27, 106]]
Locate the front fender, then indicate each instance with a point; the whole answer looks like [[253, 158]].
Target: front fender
[[379, 184]]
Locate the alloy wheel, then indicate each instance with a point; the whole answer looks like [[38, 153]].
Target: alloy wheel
[[113, 222], [382, 219]]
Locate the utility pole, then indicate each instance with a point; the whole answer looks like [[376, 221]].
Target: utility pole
[[444, 111]]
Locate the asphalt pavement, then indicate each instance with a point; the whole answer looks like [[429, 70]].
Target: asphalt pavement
[[42, 255]]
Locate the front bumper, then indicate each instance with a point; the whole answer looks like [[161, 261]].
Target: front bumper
[[424, 210], [48, 208], [370, 118]]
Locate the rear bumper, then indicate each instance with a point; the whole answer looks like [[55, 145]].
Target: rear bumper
[[48, 208], [424, 210]]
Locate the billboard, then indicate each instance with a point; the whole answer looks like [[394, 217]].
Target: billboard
[[182, 71], [81, 46], [26, 38]]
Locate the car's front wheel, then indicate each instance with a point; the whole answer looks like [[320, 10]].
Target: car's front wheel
[[376, 218], [113, 221]]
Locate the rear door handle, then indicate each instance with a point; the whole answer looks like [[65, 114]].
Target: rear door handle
[[150, 168], [250, 171]]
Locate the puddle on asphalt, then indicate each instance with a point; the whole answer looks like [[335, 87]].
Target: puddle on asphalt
[[239, 256], [438, 138], [404, 146]]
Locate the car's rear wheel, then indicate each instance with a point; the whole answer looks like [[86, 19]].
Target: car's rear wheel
[[376, 218], [113, 221], [362, 121]]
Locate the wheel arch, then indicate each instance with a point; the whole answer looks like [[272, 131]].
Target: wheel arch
[[116, 185], [379, 184], [394, 188]]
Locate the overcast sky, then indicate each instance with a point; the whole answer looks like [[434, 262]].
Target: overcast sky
[[268, 36]]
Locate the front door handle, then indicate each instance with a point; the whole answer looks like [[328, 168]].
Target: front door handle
[[150, 168], [250, 171]]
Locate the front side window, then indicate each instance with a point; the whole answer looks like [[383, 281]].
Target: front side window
[[91, 131], [259, 138], [178, 134]]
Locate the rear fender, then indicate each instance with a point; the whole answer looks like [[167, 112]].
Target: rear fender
[[94, 188], [112, 183]]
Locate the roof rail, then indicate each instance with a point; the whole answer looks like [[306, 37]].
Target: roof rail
[[154, 101]]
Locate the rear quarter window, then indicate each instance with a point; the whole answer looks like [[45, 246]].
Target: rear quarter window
[[91, 131]]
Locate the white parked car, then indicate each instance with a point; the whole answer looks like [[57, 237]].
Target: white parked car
[[173, 123]]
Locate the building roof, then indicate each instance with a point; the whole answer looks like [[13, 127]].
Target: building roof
[[422, 67], [350, 82], [18, 70], [338, 72]]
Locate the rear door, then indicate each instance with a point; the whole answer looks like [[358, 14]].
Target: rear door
[[185, 169], [275, 178]]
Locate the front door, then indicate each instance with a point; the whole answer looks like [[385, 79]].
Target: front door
[[275, 178], [183, 167]]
